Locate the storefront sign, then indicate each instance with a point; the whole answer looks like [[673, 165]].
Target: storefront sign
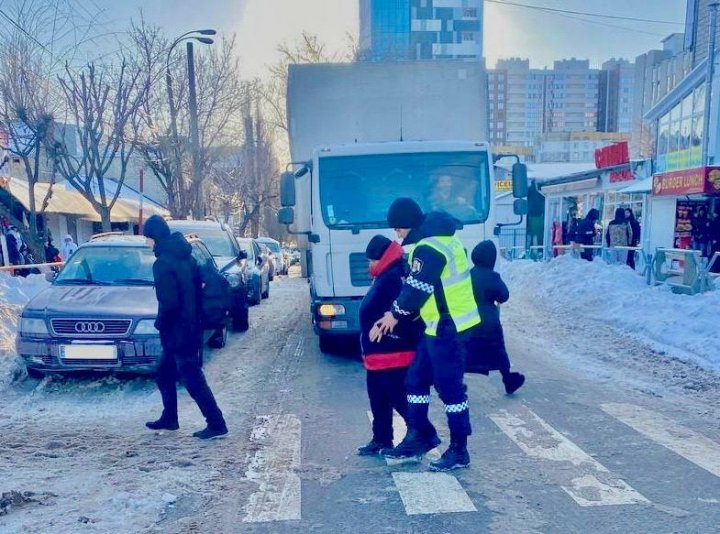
[[698, 181], [502, 186], [610, 156]]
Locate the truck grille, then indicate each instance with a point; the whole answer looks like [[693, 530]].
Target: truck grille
[[90, 328], [359, 275]]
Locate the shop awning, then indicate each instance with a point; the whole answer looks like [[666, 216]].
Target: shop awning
[[639, 186], [61, 200]]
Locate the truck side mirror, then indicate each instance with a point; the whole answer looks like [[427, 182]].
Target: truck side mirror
[[286, 216], [287, 189], [519, 180], [520, 206]]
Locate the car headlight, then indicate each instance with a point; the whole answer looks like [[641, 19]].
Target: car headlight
[[146, 327], [331, 310], [33, 327], [234, 279]]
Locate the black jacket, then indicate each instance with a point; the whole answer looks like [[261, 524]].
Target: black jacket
[[397, 349], [178, 286], [586, 232], [488, 287], [425, 270]]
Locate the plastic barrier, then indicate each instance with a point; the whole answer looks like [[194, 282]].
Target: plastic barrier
[[680, 269]]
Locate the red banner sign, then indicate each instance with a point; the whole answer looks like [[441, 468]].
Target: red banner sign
[[610, 156], [697, 181]]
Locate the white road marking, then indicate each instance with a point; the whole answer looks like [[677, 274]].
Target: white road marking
[[692, 446], [274, 467], [399, 431], [587, 481], [432, 493]]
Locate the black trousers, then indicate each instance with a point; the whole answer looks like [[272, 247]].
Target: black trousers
[[184, 365], [386, 390], [439, 362]]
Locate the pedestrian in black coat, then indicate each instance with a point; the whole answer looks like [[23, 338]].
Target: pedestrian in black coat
[[178, 290], [386, 360], [586, 233], [635, 228], [486, 344]]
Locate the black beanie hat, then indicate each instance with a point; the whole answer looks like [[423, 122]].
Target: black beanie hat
[[404, 213], [377, 247], [156, 228]]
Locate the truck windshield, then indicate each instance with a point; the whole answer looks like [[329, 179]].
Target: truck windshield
[[358, 190]]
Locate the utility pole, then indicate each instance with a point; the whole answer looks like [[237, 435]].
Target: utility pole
[[713, 7], [194, 135], [177, 170]]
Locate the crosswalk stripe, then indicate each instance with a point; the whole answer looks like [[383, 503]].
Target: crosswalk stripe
[[692, 446], [432, 493], [274, 467], [588, 482], [399, 431]]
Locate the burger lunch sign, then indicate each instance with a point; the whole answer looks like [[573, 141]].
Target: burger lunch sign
[[697, 181]]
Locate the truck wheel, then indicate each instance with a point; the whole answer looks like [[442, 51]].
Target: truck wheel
[[240, 319], [327, 344]]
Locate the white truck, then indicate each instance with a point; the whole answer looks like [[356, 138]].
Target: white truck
[[362, 135]]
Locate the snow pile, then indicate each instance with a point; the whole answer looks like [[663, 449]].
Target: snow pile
[[15, 292], [576, 290]]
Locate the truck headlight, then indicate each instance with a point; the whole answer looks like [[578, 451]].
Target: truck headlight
[[146, 327], [331, 310], [234, 279], [33, 327]]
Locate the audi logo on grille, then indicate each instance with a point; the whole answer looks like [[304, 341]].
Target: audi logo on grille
[[89, 327]]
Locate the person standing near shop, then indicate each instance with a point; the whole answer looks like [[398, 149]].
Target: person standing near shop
[[618, 234], [439, 288], [701, 230], [586, 233], [635, 228]]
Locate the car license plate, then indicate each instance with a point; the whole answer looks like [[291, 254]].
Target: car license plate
[[89, 352]]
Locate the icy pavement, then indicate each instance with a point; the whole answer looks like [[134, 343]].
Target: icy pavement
[[582, 294], [80, 445]]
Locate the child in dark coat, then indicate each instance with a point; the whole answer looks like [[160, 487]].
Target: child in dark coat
[[486, 345], [387, 360]]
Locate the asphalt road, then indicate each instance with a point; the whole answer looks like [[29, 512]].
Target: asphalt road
[[607, 435]]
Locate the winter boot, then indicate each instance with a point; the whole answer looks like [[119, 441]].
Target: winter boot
[[164, 423], [456, 457], [211, 432], [414, 444], [513, 382], [374, 447]]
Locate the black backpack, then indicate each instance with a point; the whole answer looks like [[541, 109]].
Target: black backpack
[[215, 300]]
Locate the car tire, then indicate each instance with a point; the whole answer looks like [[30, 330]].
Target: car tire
[[35, 373], [256, 295], [218, 340], [267, 292], [241, 318]]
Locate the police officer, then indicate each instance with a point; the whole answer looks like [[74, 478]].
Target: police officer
[[439, 287], [405, 217]]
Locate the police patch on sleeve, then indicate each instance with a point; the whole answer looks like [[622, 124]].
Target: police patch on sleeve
[[416, 266]]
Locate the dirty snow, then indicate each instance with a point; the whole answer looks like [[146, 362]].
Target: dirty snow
[[578, 292], [15, 292]]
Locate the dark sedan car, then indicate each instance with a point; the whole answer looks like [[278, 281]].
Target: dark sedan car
[[99, 314]]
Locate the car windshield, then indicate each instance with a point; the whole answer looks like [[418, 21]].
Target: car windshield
[[358, 190], [217, 241], [274, 247], [107, 265]]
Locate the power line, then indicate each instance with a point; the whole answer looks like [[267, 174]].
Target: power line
[[583, 13], [24, 31]]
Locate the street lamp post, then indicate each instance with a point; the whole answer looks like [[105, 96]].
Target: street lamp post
[[195, 35]]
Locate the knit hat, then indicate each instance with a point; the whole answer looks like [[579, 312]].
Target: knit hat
[[377, 247], [156, 228], [404, 213]]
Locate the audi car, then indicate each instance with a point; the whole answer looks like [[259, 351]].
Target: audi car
[[99, 313]]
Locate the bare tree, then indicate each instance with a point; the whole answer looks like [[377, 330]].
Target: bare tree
[[103, 104], [221, 96]]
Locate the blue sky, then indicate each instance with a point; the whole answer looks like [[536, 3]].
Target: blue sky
[[509, 31]]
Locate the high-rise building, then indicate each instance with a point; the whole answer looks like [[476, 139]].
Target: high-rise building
[[615, 104], [525, 104], [421, 29]]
